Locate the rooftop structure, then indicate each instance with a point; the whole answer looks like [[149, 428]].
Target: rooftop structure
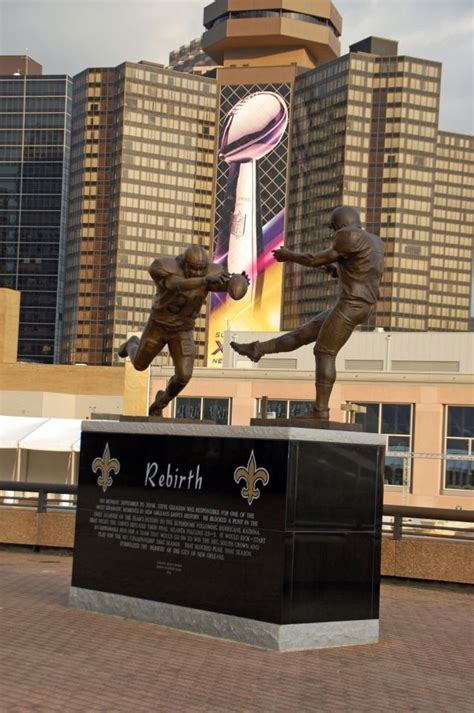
[[272, 32]]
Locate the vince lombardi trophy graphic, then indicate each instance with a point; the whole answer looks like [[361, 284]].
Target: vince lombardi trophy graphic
[[253, 128]]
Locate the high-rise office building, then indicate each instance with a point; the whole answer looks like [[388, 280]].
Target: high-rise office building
[[192, 58], [360, 129], [141, 181], [35, 118], [363, 130], [263, 48], [365, 133], [452, 242]]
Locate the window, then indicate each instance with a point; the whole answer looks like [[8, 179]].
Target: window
[[459, 441], [395, 420], [200, 408], [286, 409]]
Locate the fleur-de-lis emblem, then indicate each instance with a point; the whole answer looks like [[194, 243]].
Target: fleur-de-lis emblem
[[106, 465], [251, 474]]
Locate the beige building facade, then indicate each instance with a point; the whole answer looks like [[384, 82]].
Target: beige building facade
[[60, 391], [9, 325]]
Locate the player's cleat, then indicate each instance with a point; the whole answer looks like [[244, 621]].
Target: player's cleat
[[156, 409], [252, 350], [123, 348]]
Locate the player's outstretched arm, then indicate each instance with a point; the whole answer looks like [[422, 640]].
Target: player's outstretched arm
[[175, 283], [325, 257], [218, 282]]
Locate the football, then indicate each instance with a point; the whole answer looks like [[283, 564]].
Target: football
[[237, 287]]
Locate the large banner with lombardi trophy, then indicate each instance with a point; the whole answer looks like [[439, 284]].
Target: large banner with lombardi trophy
[[250, 207]]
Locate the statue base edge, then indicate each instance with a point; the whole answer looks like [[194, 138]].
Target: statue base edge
[[148, 419], [306, 423], [265, 635]]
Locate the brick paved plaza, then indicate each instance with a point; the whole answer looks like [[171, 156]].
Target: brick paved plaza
[[54, 658]]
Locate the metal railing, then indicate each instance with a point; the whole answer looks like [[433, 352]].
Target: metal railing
[[398, 520], [42, 497]]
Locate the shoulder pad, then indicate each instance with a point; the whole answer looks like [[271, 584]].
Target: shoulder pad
[[164, 266], [345, 241], [346, 233]]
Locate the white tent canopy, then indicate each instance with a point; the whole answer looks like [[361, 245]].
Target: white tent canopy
[[57, 434], [45, 448], [40, 434], [14, 429]]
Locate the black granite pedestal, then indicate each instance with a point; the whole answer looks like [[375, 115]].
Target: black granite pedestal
[[268, 536]]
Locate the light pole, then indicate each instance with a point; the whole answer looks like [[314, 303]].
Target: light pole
[[387, 352]]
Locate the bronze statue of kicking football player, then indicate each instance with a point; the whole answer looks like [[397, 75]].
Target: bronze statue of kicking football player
[[355, 258]]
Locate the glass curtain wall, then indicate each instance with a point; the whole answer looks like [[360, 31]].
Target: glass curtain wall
[[35, 118]]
